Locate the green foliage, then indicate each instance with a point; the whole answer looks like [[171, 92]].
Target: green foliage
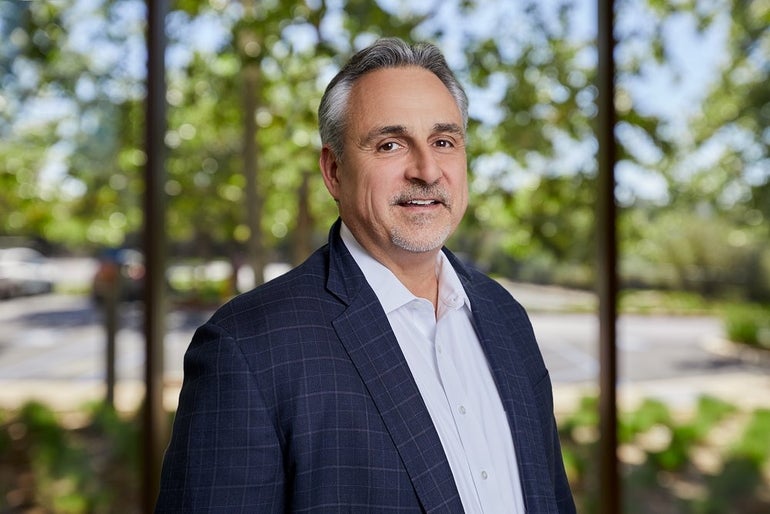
[[41, 424], [60, 468], [684, 436], [754, 444], [93, 468], [704, 253], [749, 324], [666, 464], [586, 415], [734, 489], [710, 411], [647, 415], [54, 468], [123, 435], [531, 148], [651, 301]]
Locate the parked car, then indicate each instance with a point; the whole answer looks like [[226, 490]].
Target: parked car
[[24, 271], [120, 271], [7, 287]]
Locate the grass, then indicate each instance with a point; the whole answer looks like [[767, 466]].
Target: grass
[[633, 301]]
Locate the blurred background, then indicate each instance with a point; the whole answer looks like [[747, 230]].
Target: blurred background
[[245, 202]]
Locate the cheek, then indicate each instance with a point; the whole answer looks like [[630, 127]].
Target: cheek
[[364, 195], [462, 205], [461, 184], [374, 188]]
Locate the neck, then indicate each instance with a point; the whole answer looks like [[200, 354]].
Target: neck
[[417, 271]]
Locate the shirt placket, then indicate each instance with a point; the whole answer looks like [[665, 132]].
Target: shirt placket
[[467, 418]]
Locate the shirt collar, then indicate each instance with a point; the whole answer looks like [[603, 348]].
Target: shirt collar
[[391, 293], [451, 294]]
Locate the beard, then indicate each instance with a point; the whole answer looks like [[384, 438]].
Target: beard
[[422, 232], [416, 242]]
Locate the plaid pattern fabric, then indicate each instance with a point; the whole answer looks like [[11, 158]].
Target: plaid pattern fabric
[[296, 398]]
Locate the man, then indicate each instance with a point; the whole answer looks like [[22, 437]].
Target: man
[[381, 375]]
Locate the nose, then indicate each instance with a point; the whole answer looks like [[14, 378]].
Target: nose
[[423, 165]]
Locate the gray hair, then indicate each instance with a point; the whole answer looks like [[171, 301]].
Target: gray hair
[[384, 53]]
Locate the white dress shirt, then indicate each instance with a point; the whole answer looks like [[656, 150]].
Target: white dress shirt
[[451, 371]]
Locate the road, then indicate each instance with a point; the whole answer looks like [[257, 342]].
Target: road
[[52, 342], [62, 337], [649, 347]]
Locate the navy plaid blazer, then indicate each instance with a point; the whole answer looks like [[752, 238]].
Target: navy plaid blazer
[[297, 398]]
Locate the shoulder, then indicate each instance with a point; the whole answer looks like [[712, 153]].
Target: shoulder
[[297, 296], [479, 285], [495, 294], [483, 282]]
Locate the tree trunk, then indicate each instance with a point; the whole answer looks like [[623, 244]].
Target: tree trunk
[[251, 84], [303, 235]]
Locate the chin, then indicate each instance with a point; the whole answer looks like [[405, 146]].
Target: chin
[[421, 241]]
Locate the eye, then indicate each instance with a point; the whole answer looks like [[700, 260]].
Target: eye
[[390, 146], [444, 143]]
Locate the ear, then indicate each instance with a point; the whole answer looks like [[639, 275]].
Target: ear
[[329, 169]]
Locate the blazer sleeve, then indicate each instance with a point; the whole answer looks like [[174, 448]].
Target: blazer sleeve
[[225, 453]]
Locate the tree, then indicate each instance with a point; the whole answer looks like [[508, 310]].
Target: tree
[[716, 164], [72, 109], [244, 81]]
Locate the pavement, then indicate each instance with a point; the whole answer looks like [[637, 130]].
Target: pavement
[[745, 387], [680, 394]]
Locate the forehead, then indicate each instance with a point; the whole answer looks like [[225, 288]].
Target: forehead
[[405, 91]]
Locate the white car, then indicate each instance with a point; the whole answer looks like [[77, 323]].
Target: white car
[[24, 271]]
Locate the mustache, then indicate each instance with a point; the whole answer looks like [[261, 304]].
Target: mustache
[[422, 192]]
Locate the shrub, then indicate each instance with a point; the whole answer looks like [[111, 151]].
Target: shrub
[[748, 324], [50, 467], [662, 471]]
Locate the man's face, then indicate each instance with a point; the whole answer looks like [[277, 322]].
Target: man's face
[[401, 184]]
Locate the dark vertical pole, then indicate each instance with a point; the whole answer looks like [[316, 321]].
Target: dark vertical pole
[[251, 76], [154, 422], [110, 307], [610, 493]]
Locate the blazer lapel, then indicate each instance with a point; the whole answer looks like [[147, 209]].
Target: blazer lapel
[[366, 334], [518, 396]]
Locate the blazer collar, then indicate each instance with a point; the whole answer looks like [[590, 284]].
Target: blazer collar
[[345, 278], [365, 332]]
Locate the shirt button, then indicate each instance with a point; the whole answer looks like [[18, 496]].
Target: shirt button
[[438, 348], [462, 409], [484, 475]]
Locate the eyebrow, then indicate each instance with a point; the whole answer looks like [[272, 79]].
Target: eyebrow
[[450, 128], [387, 130], [400, 130]]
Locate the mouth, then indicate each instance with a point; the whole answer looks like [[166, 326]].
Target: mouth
[[422, 198], [414, 202]]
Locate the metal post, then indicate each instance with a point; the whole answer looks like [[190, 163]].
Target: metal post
[[154, 424], [609, 481]]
